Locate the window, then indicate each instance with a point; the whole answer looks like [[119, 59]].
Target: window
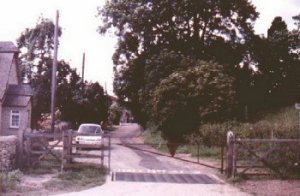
[[14, 119]]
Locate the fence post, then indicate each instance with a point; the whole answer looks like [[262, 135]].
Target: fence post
[[222, 159], [198, 152], [230, 154], [102, 147], [109, 151], [20, 151], [63, 151], [70, 138]]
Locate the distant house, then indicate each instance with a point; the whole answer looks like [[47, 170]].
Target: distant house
[[15, 98]]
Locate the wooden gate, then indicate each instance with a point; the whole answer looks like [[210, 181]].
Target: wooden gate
[[62, 147], [40, 146], [262, 156], [72, 157]]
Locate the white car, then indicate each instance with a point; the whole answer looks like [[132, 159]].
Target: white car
[[90, 134]]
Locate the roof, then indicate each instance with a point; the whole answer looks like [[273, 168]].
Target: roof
[[8, 47], [17, 101], [7, 55], [18, 95], [19, 89], [6, 60]]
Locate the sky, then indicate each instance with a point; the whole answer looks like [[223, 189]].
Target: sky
[[79, 25]]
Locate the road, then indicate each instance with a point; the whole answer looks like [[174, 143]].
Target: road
[[133, 167], [143, 157]]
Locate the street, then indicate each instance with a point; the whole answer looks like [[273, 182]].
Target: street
[[152, 174]]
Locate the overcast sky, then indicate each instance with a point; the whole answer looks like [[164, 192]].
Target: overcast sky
[[79, 24]]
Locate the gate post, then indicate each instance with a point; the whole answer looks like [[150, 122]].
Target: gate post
[[63, 151], [230, 154], [70, 142], [20, 149]]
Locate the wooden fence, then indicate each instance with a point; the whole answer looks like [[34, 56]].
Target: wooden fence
[[37, 147], [261, 156], [72, 157], [63, 148]]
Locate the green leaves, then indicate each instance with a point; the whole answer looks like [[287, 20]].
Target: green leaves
[[76, 105], [202, 93]]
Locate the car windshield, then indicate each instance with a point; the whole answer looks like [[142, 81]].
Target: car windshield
[[90, 129]]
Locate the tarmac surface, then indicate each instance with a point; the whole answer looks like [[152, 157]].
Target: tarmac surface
[[140, 172]]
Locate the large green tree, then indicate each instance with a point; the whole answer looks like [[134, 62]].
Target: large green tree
[[276, 57], [186, 99], [77, 101], [36, 57], [154, 33]]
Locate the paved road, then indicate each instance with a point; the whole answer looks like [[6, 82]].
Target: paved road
[[140, 161], [140, 157]]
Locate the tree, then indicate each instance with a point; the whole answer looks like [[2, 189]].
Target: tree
[[76, 105], [205, 30], [185, 99], [278, 65], [115, 113], [36, 46]]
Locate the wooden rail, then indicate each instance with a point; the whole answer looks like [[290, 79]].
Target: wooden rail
[[70, 150], [258, 153], [37, 147]]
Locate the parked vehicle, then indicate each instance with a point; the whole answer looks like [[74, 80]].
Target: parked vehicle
[[89, 135]]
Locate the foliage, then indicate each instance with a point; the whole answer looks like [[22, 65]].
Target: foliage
[[187, 98], [115, 112], [281, 124], [276, 58], [150, 47], [36, 46], [89, 105], [153, 137], [77, 179], [77, 100], [9, 180]]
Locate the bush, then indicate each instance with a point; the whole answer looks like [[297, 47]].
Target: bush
[[8, 180], [189, 97], [115, 112], [281, 124]]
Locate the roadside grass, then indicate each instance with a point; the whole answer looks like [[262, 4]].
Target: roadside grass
[[47, 166], [67, 181], [279, 123], [154, 139], [54, 181], [9, 180], [74, 180]]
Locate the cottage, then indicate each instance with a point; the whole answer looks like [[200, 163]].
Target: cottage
[[15, 97]]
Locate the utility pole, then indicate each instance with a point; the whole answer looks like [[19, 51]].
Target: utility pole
[[82, 77], [54, 68]]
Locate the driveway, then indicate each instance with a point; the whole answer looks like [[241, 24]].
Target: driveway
[[138, 170]]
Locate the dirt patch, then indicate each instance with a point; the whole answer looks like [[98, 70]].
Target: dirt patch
[[270, 187], [33, 185], [36, 182]]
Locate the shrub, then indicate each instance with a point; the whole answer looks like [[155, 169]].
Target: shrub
[[8, 180], [189, 97]]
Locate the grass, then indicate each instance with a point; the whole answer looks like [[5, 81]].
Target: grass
[[74, 180], [9, 180], [69, 180], [281, 123], [154, 139]]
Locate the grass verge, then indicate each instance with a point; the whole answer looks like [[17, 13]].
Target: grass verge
[[9, 180], [74, 180], [154, 139]]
